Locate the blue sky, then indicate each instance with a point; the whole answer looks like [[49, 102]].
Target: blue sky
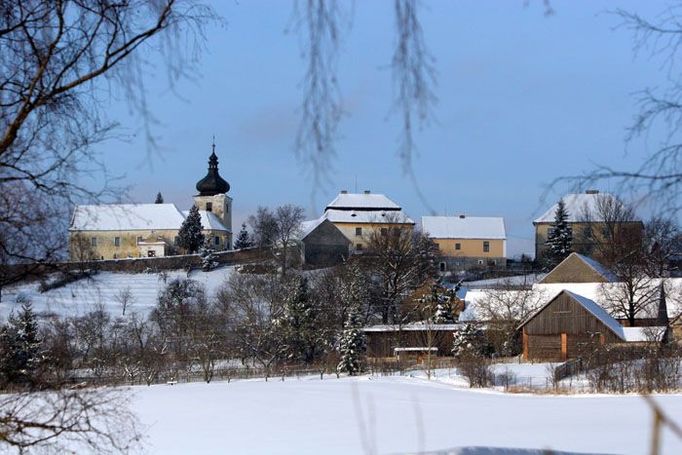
[[522, 99]]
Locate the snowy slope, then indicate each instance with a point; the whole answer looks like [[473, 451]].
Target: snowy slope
[[85, 295], [384, 416]]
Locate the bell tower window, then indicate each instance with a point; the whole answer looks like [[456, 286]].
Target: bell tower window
[[209, 206]]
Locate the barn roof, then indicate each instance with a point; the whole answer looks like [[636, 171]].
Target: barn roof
[[464, 227], [578, 206]]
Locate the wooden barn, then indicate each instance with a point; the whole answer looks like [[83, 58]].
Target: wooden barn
[[391, 340], [577, 268], [569, 325]]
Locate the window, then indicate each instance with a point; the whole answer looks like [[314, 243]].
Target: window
[[396, 232], [117, 241], [209, 206], [384, 232], [93, 241], [358, 231], [151, 253], [216, 240], [139, 239], [486, 247], [442, 266], [175, 240], [115, 257], [358, 247], [458, 246]]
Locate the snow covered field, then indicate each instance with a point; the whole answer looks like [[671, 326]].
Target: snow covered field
[[84, 295], [387, 415]]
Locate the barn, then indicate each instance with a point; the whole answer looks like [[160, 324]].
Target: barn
[[415, 338], [322, 243], [569, 325]]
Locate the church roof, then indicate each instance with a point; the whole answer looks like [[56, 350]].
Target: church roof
[[136, 217], [213, 183], [464, 227]]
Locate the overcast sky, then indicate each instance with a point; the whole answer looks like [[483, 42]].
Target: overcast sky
[[522, 99]]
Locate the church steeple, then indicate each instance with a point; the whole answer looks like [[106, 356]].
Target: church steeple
[[213, 183]]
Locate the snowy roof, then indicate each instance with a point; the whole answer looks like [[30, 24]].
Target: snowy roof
[[367, 216], [209, 220], [414, 327], [126, 217], [362, 201], [136, 217], [309, 226], [464, 227], [598, 312], [577, 206], [634, 334]]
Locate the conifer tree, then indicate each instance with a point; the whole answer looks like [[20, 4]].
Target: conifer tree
[[352, 346], [466, 341], [190, 236], [300, 329], [243, 239], [20, 351], [560, 236], [159, 198]]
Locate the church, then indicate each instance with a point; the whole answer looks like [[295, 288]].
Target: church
[[117, 231]]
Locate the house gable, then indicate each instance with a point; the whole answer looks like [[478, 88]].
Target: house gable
[[577, 268]]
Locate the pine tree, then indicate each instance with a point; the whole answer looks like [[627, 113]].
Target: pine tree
[[301, 331], [159, 198], [352, 346], [243, 239], [190, 236], [20, 347], [466, 341], [560, 236], [208, 258]]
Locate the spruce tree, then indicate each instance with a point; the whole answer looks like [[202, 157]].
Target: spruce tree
[[243, 239], [352, 346], [466, 341], [159, 198], [190, 236], [208, 258], [20, 351], [560, 236], [301, 331]]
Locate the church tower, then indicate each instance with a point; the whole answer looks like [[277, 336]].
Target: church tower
[[213, 196]]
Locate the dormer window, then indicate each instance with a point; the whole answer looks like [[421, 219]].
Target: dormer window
[[209, 206]]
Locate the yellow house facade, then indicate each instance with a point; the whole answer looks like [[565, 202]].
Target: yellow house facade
[[467, 241], [359, 215]]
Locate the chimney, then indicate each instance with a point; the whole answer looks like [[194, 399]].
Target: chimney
[[344, 191], [592, 192], [462, 216], [367, 191]]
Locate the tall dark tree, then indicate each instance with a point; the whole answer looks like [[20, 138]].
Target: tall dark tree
[[190, 236], [159, 198], [352, 345], [243, 239], [300, 329], [560, 237], [21, 347]]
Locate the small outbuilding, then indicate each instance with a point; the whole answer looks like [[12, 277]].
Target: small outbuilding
[[578, 268], [569, 325], [323, 244], [414, 339]]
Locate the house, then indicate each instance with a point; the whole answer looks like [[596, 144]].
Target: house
[[113, 231], [322, 243], [590, 215], [570, 325], [467, 241], [358, 215]]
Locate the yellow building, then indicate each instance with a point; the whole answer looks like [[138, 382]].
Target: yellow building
[[115, 231], [589, 214], [467, 241], [357, 215]]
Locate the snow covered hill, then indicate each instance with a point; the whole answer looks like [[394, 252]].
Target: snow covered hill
[[85, 295]]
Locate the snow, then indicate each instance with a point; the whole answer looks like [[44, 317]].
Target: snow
[[467, 227], [388, 415], [126, 217], [349, 201], [209, 220], [516, 280], [411, 327], [577, 205], [367, 216], [309, 226], [83, 296], [598, 312], [634, 334]]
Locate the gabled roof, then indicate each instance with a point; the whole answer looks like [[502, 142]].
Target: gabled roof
[[577, 205], [577, 268], [362, 201], [367, 216], [309, 226], [464, 227], [126, 217]]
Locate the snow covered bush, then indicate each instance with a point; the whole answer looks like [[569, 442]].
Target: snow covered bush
[[352, 347]]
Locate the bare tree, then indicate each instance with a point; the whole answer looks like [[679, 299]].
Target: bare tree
[[69, 420], [635, 293], [124, 297], [288, 219], [264, 227]]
